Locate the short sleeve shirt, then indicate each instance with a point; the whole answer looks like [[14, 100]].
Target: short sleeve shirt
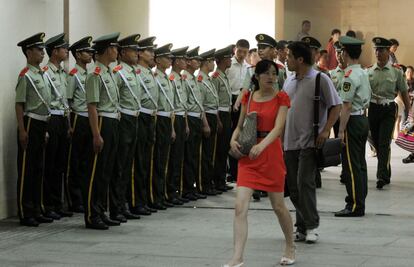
[[386, 82], [58, 82], [150, 92], [76, 89], [209, 91], [166, 93], [194, 96], [129, 86], [180, 94], [337, 75], [355, 88], [221, 82]]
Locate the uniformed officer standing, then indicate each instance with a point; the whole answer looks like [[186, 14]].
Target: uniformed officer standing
[[338, 73], [315, 46], [210, 104], [58, 129], [33, 96], [76, 172], [176, 162], [353, 129], [130, 104], [165, 133], [103, 109], [198, 126], [221, 83], [386, 82], [143, 160]]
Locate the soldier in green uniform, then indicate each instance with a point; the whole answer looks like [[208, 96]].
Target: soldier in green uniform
[[221, 83], [315, 46], [355, 93], [81, 137], [176, 162], [102, 96], [58, 129], [144, 164], [33, 96], [165, 132], [130, 104], [210, 104], [386, 81], [198, 125]]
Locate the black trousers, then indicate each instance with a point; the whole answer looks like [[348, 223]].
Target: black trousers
[[176, 161], [161, 156], [223, 146], [128, 130], [55, 162], [381, 124], [192, 158], [209, 147], [233, 163], [101, 170], [30, 168], [143, 161], [79, 151], [354, 164]]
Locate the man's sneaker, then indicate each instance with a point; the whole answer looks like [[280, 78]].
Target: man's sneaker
[[299, 237], [312, 236]]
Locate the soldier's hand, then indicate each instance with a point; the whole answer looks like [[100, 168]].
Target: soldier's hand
[[341, 135], [70, 132], [23, 139], [187, 132], [322, 138], [206, 131], [173, 136], [236, 105], [47, 138], [98, 143]]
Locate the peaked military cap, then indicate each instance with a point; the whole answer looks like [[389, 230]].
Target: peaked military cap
[[208, 55], [193, 53], [179, 52], [147, 43], [312, 42], [106, 41], [282, 44], [163, 51], [264, 39], [83, 44], [57, 41], [33, 41], [381, 42], [130, 41], [337, 46], [225, 52], [350, 41]]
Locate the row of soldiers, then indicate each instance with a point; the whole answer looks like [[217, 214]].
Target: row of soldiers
[[124, 139]]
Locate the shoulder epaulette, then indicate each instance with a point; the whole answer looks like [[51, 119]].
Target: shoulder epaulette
[[138, 71], [216, 74], [348, 73], [97, 71], [117, 68], [45, 68], [200, 78], [184, 77], [280, 66], [73, 71], [24, 71], [171, 77], [395, 65]]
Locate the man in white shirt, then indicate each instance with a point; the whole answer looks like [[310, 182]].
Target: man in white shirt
[[236, 75]]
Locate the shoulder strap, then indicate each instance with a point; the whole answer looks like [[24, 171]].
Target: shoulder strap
[[248, 102], [129, 88], [316, 100], [38, 93]]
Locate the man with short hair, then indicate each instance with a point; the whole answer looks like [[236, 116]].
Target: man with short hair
[[82, 135], [386, 81], [58, 129], [299, 138], [236, 75], [130, 104], [315, 47], [306, 27], [102, 96], [353, 129], [33, 97]]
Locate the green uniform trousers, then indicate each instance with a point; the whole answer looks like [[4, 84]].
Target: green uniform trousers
[[192, 158], [223, 146], [209, 147], [30, 168], [381, 124], [354, 164], [176, 161]]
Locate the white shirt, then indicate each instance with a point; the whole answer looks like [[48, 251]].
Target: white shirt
[[236, 75]]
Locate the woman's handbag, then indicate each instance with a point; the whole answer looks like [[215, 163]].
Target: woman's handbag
[[248, 133], [330, 153], [405, 138]]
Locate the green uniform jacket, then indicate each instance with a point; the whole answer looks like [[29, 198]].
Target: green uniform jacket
[[194, 95], [127, 81], [26, 94], [222, 85], [76, 89], [180, 95], [209, 91], [101, 89], [356, 88], [165, 101], [59, 79], [150, 94], [337, 75]]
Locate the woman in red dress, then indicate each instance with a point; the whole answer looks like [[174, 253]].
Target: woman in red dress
[[264, 168]]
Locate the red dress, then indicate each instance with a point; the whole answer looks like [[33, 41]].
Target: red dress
[[267, 172]]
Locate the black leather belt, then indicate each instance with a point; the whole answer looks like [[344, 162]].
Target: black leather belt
[[262, 134]]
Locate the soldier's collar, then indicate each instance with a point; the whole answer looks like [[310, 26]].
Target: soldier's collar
[[102, 66], [127, 67], [387, 66], [80, 69], [34, 68], [53, 67]]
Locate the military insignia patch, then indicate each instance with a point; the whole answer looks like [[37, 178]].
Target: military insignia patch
[[90, 40], [378, 40], [42, 36], [171, 77], [129, 79], [346, 86], [261, 37], [307, 40]]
